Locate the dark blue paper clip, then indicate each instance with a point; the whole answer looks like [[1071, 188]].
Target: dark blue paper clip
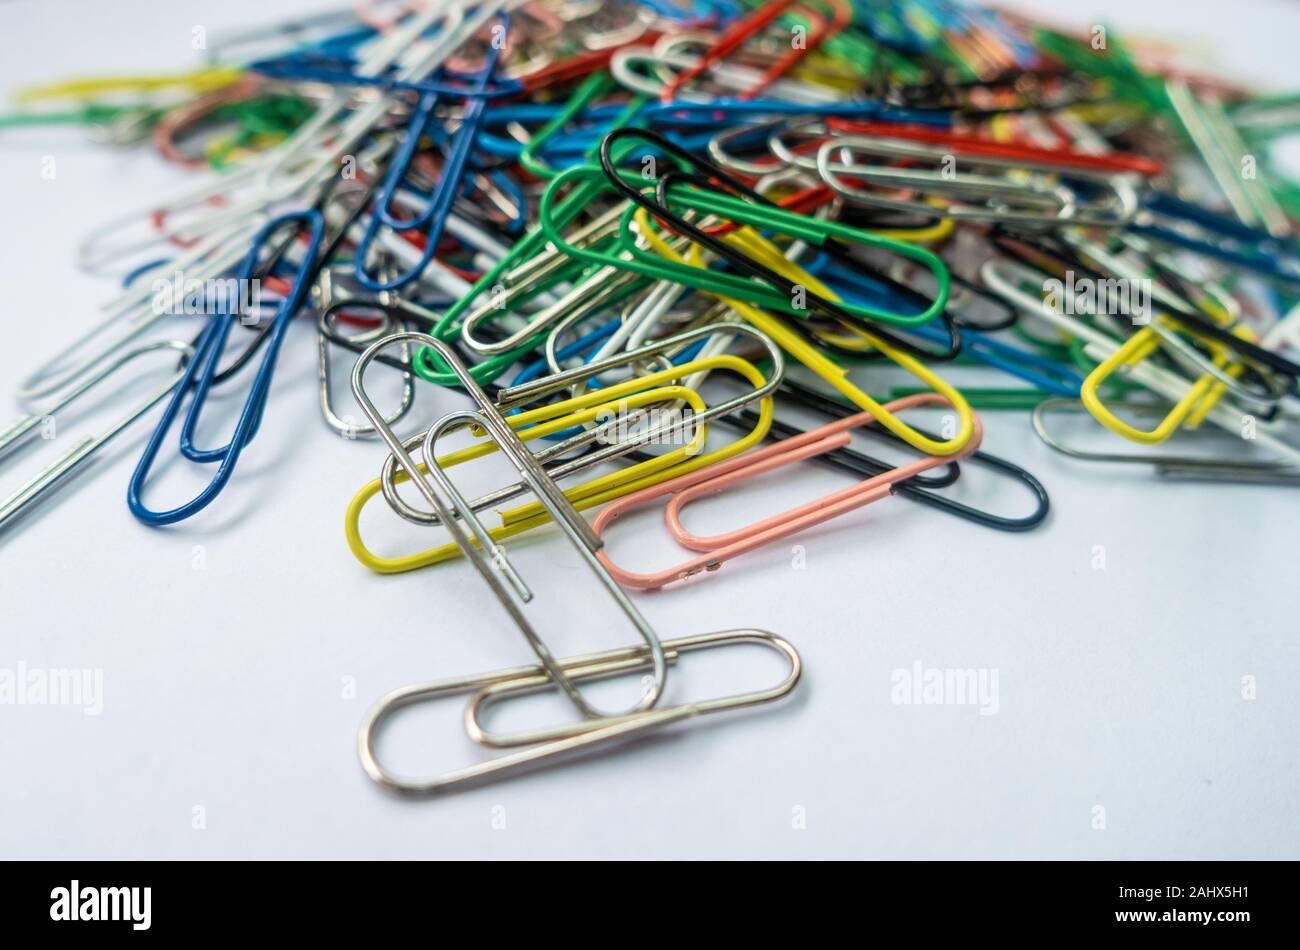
[[202, 368], [1037, 370], [434, 216], [710, 114], [1225, 238]]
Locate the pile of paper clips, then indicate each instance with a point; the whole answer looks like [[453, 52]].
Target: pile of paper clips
[[575, 212]]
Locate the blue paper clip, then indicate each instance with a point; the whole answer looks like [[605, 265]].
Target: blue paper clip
[[1037, 370], [434, 216], [1247, 247], [202, 368], [658, 115], [337, 73]]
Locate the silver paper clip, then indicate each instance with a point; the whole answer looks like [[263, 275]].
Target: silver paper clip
[[18, 502], [545, 745], [481, 550]]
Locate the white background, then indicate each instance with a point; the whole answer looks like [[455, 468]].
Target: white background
[[227, 641]]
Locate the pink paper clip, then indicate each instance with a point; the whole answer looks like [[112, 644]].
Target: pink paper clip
[[723, 547]]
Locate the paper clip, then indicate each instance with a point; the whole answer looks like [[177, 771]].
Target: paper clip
[[1009, 280], [918, 488], [201, 370], [721, 548], [586, 408], [1214, 136], [549, 744], [390, 319], [434, 216], [1008, 154], [1204, 468], [488, 558], [731, 39], [1028, 200], [521, 394], [1186, 225], [798, 344], [1212, 321], [16, 503]]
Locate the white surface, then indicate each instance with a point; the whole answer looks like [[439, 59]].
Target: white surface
[[224, 686]]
